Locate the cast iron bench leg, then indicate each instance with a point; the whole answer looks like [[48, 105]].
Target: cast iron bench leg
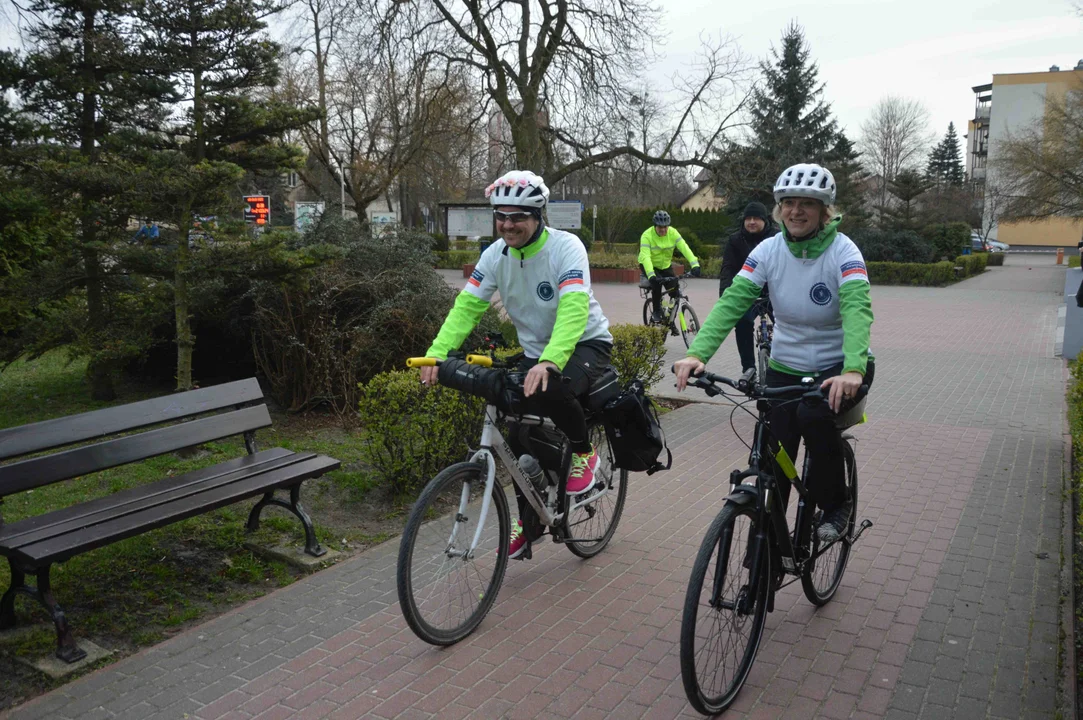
[[66, 649], [312, 547]]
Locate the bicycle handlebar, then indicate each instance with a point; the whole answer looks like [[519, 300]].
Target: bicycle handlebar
[[706, 381]]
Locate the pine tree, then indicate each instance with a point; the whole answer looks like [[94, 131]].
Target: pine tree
[[945, 168], [845, 164], [907, 186], [85, 89], [219, 53], [790, 121]]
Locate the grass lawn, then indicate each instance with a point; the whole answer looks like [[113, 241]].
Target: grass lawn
[[140, 591]]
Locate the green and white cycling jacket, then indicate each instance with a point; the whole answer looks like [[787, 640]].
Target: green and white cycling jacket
[[820, 295], [545, 288]]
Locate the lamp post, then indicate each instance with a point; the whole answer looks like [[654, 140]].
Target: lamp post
[[342, 189]]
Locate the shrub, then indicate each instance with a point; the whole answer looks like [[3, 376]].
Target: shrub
[[997, 259], [584, 236], [613, 260], [439, 242], [1073, 261], [638, 352], [711, 267], [455, 259], [926, 274], [947, 239], [412, 431], [972, 264], [897, 246]]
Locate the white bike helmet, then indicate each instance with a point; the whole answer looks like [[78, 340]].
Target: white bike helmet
[[518, 187], [806, 180]]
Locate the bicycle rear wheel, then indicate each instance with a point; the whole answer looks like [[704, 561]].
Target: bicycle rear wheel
[[724, 612], [823, 575], [445, 591], [689, 323], [647, 312], [596, 521]]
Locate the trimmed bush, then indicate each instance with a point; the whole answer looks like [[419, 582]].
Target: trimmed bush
[[455, 259], [414, 431], [612, 260], [896, 246], [947, 239], [897, 273], [997, 259], [1073, 261], [972, 264], [638, 352]]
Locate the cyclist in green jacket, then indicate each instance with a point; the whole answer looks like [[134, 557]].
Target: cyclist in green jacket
[[823, 317], [543, 278], [656, 246]]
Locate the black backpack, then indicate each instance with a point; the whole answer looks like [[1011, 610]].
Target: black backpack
[[635, 435]]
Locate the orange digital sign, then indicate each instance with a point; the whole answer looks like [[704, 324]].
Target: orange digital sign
[[257, 209]]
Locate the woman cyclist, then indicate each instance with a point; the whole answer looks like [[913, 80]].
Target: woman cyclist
[[823, 315]]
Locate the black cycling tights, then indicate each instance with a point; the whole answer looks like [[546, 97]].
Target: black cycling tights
[[559, 402], [794, 421]]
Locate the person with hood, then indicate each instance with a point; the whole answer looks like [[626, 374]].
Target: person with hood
[[756, 225], [823, 313]]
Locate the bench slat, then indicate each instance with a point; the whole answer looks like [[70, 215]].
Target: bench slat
[[62, 548], [59, 432], [36, 472], [36, 529]]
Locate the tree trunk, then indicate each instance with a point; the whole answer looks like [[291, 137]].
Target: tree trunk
[[185, 339]]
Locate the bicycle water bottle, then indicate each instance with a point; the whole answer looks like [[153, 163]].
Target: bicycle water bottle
[[533, 471]]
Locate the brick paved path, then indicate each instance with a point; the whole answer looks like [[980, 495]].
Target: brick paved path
[[949, 606]]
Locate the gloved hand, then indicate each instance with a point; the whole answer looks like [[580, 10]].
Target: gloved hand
[[696, 272], [655, 281]]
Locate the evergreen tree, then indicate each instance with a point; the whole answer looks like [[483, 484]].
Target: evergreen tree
[[907, 186], [220, 55], [945, 168], [84, 90], [790, 122], [844, 163]]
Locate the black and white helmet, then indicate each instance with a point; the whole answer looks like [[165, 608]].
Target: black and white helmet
[[518, 187], [806, 180], [661, 218]]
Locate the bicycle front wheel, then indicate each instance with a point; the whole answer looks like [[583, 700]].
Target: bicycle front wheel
[[647, 312], [724, 612], [823, 573], [445, 587], [594, 521], [689, 324]]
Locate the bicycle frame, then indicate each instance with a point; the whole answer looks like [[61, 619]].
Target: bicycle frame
[[671, 306], [492, 439]]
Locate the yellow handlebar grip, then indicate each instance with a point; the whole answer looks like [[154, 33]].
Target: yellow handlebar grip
[[483, 360], [420, 362]]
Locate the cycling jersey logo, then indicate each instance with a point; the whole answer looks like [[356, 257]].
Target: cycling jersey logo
[[819, 294], [545, 290], [475, 278], [572, 277], [750, 265], [854, 268]]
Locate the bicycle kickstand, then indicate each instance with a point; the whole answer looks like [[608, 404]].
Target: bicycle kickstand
[[865, 525]]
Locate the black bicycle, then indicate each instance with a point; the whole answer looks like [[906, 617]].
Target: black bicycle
[[749, 550], [678, 317]]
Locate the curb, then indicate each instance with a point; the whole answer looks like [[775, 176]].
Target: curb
[[1067, 582]]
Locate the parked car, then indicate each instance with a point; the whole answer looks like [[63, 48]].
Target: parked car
[[978, 244]]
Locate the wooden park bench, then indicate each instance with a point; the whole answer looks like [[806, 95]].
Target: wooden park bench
[[34, 544]]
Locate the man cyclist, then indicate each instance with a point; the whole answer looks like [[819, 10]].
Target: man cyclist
[[544, 283], [656, 246], [823, 316]]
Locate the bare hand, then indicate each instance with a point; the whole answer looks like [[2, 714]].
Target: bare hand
[[429, 374], [685, 367], [842, 387], [538, 376]]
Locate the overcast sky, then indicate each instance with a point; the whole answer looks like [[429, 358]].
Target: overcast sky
[[932, 50]]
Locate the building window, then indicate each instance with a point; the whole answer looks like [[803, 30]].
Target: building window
[[292, 180]]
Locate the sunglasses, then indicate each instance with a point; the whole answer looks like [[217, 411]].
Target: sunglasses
[[514, 217]]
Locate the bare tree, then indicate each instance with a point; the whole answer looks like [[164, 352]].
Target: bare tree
[[563, 76], [894, 138], [1043, 163]]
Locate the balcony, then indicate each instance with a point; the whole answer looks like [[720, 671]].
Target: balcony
[[982, 113]]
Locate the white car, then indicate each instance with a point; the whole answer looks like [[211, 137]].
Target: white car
[[976, 243]]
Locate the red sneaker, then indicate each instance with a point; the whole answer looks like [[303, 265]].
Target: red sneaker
[[517, 543], [581, 477]]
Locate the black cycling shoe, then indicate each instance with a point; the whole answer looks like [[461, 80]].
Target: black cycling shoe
[[834, 524], [657, 318]]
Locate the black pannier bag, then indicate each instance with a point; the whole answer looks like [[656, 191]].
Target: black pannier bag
[[635, 434]]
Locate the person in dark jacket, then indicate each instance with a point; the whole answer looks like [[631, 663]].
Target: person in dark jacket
[[756, 225]]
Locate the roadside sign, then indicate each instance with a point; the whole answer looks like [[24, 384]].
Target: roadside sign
[[565, 214], [470, 221], [306, 214], [257, 209], [381, 221]]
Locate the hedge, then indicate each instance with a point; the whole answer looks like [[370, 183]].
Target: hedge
[[638, 352], [1073, 261], [972, 264], [710, 227], [997, 259], [899, 273]]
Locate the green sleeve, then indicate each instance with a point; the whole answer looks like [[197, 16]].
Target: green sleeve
[[645, 252], [464, 316], [855, 306], [572, 313], [686, 251], [733, 304]]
